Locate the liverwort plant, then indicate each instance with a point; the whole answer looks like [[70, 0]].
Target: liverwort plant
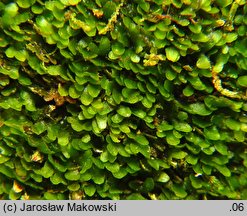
[[142, 99]]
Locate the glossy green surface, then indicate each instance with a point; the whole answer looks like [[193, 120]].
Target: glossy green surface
[[142, 99]]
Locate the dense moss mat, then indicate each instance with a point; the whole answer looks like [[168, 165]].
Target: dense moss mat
[[142, 99]]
